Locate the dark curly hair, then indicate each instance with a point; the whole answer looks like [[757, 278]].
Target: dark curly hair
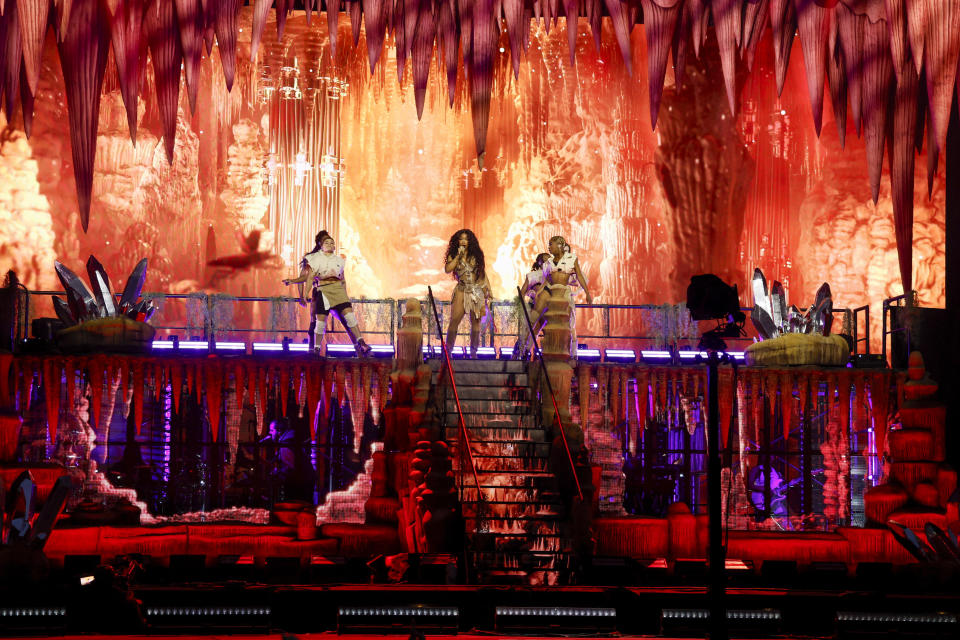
[[318, 241], [473, 250], [538, 263]]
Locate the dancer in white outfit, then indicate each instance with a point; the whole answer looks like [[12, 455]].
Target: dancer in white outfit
[[324, 269]]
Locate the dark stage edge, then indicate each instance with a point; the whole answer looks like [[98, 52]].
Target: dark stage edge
[[313, 609]]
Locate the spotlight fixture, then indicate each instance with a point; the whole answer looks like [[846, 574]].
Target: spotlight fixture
[[193, 345], [656, 356], [382, 350], [696, 621], [486, 353], [506, 353], [341, 351], [710, 298]]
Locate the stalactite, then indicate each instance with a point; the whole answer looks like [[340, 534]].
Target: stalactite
[[941, 48], [813, 22], [726, 20], [375, 18], [160, 24], [850, 32], [481, 63], [660, 22], [83, 57], [190, 22], [877, 69], [63, 8], [95, 368], [837, 79], [422, 52], [340, 373], [33, 19], [901, 157], [621, 28], [261, 397], [783, 25], [383, 385], [661, 389], [755, 17], [225, 26], [699, 20]]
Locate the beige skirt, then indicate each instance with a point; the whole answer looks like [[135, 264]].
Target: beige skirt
[[474, 300], [330, 295]]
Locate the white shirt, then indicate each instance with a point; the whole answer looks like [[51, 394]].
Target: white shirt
[[325, 265], [566, 264], [534, 278]]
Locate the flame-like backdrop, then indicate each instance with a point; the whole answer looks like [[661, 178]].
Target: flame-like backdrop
[[304, 142]]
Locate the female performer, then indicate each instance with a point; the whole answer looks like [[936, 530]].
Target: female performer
[[324, 269], [561, 270], [465, 260], [531, 286]]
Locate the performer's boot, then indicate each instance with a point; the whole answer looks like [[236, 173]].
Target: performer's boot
[[474, 341], [353, 330], [316, 337]]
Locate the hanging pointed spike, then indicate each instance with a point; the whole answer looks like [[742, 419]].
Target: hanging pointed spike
[[813, 23], [941, 51], [621, 27], [261, 9], [447, 33], [333, 22], [356, 16], [63, 8], [917, 19], [932, 158], [411, 11], [374, 16], [660, 23], [699, 13], [126, 33], [210, 8], [12, 58], [783, 25], [681, 45], [160, 25], [481, 71], [571, 13], [755, 18], [837, 80], [422, 52], [283, 7], [901, 155], [850, 36], [877, 79], [513, 12], [83, 57], [726, 17], [896, 13], [226, 27], [33, 17], [190, 22]]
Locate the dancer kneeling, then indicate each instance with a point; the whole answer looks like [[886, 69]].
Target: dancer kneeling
[[324, 269], [465, 260], [562, 270]]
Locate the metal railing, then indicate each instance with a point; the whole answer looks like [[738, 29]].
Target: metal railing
[[463, 435], [553, 397], [502, 331]]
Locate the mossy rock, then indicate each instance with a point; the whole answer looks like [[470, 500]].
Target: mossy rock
[[118, 335], [800, 349]]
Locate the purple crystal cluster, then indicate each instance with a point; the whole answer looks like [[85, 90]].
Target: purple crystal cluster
[[99, 301], [773, 318]]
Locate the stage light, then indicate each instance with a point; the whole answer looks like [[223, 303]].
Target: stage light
[[656, 356], [341, 351], [382, 350], [506, 353], [588, 355], [696, 621], [869, 624], [857, 617], [230, 347], [691, 356], [194, 345], [486, 353], [397, 617], [189, 610], [267, 347], [32, 612], [593, 619], [620, 355], [298, 347], [164, 345], [457, 353]]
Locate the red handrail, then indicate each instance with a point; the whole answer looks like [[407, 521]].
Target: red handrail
[[456, 395], [556, 407]]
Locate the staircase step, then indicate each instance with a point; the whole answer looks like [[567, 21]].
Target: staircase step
[[495, 393], [483, 366], [521, 433], [480, 379], [485, 406], [511, 447]]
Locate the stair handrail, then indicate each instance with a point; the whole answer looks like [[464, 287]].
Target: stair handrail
[[553, 396], [456, 396]]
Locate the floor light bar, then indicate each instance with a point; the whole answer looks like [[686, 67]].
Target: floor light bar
[[382, 350], [588, 355], [583, 619], [620, 355], [194, 345], [506, 353], [267, 347], [656, 355], [230, 347], [341, 350], [397, 617], [164, 345], [486, 353]]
